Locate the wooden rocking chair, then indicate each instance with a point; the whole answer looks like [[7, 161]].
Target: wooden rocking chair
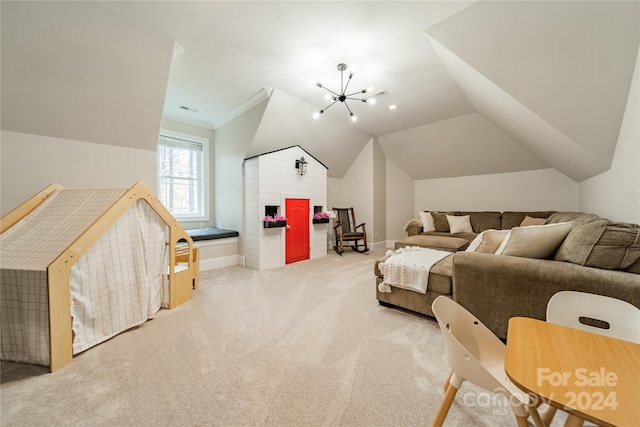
[[345, 230]]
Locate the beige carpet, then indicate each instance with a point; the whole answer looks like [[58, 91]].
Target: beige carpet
[[302, 345]]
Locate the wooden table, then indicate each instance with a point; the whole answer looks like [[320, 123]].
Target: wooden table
[[592, 376]]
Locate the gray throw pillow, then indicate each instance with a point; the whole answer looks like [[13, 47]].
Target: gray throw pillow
[[440, 221], [601, 244]]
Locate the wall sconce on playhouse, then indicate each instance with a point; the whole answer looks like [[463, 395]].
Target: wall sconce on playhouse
[[301, 165]]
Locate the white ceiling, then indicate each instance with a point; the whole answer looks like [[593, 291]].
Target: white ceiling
[[542, 62], [234, 49], [482, 87]]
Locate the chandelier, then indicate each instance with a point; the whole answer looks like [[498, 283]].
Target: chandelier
[[343, 96]]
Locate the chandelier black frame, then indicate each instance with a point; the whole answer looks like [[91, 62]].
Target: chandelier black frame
[[342, 96]]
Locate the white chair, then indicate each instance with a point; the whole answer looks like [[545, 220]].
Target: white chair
[[613, 317], [593, 313], [476, 355]]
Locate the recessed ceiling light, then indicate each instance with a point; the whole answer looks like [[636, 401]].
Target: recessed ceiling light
[[393, 107]]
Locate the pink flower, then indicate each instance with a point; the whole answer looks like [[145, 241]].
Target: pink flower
[[274, 218]]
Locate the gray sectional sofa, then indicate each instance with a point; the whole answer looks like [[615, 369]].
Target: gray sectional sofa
[[597, 256]]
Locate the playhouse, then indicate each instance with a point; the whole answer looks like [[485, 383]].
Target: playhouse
[[289, 183], [80, 266]]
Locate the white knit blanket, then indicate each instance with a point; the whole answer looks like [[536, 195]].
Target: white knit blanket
[[409, 268]]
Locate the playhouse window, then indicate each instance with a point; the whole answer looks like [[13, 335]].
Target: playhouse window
[[182, 170]]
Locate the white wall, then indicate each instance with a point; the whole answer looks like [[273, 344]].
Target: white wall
[[334, 193], [358, 188], [615, 194], [540, 190], [400, 205], [270, 179], [335, 199], [32, 162], [231, 144], [379, 230]]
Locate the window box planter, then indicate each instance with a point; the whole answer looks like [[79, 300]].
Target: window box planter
[[274, 224], [321, 221]]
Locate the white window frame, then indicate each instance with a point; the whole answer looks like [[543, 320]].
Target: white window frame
[[203, 180]]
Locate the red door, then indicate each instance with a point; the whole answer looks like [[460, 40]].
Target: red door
[[297, 234]]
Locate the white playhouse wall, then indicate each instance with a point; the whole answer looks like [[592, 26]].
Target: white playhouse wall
[[269, 179]]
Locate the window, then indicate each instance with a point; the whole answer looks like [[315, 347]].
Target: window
[[183, 175]]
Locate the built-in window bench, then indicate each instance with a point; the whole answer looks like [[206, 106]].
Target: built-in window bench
[[211, 233], [217, 247]]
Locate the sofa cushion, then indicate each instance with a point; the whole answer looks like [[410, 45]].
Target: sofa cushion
[[536, 241], [459, 224], [440, 220], [514, 219], [438, 233], [427, 221], [484, 220], [439, 275], [577, 218], [602, 244], [376, 269], [444, 243], [466, 236]]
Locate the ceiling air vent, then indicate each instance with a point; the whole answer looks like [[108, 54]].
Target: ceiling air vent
[[184, 107]]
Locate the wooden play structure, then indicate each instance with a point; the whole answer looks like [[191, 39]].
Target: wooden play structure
[[81, 266]]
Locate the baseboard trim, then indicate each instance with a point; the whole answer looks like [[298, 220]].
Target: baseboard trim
[[216, 242], [383, 244], [220, 262]]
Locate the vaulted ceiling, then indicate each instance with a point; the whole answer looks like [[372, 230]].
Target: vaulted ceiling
[[482, 87]]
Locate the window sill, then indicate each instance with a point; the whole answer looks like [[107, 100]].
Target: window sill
[[185, 218]]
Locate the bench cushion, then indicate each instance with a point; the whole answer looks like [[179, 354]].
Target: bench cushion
[[211, 233]]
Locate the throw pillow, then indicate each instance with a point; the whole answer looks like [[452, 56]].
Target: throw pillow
[[602, 244], [475, 242], [459, 224], [491, 241], [488, 241], [440, 221], [529, 220], [535, 241], [618, 248], [427, 221]]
